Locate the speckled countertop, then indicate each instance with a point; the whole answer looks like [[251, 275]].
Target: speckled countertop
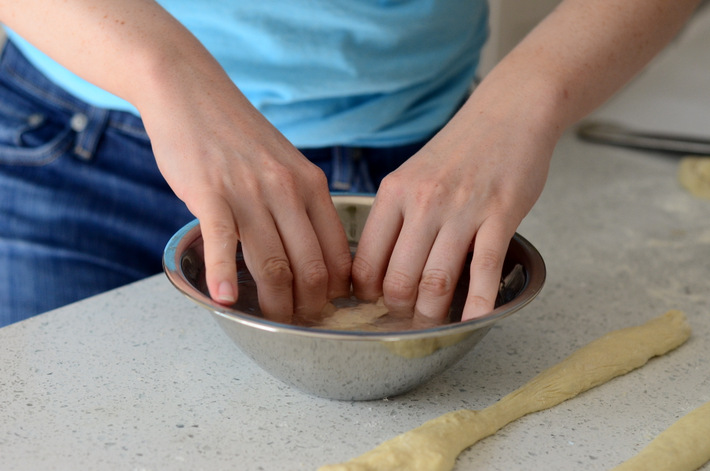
[[139, 378]]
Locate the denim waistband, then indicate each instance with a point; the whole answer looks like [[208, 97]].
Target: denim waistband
[[87, 121]]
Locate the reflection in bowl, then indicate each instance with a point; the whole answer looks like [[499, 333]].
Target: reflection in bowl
[[382, 356]]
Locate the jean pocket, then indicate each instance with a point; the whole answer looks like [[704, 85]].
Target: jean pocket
[[30, 134]]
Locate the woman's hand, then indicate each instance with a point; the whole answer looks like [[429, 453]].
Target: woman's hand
[[468, 188], [245, 182]]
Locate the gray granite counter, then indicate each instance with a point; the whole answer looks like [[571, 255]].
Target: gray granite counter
[[140, 378]]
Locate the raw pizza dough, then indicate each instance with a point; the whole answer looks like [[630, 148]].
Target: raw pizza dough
[[435, 445], [684, 446], [694, 175], [352, 314], [345, 314], [361, 316]]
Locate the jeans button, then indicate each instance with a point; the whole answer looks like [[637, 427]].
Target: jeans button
[[79, 122]]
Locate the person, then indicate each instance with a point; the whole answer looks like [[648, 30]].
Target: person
[[211, 111]]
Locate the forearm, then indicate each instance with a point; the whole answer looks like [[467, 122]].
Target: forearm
[[132, 48], [577, 57]]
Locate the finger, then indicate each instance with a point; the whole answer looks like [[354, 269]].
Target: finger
[[376, 243], [441, 274], [334, 246], [310, 274], [490, 246], [266, 258], [219, 235], [404, 272]]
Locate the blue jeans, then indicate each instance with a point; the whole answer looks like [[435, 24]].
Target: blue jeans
[[83, 207]]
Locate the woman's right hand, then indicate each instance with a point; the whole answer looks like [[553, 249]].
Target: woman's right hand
[[245, 182]]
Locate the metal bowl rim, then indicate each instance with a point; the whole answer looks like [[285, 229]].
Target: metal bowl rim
[[189, 233]]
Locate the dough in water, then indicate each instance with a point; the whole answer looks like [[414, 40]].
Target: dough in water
[[435, 445], [352, 314]]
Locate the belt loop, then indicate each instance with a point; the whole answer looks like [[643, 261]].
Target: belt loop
[[89, 127], [350, 170], [341, 179]]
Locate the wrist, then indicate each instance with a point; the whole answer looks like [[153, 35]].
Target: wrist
[[529, 101]]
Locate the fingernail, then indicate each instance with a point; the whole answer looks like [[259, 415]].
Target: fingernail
[[225, 293]]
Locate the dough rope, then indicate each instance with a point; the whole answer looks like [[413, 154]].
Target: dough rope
[[684, 446], [694, 176], [435, 445]]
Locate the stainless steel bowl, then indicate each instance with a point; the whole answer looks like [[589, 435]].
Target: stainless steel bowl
[[349, 365]]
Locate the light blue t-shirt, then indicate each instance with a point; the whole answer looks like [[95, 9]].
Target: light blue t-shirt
[[329, 72]]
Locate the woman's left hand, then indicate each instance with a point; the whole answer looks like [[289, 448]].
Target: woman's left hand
[[468, 188]]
